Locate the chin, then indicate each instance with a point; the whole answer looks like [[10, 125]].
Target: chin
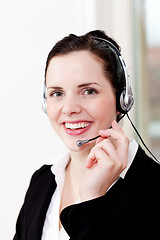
[[72, 146]]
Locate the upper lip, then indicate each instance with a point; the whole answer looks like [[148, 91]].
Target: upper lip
[[77, 121]]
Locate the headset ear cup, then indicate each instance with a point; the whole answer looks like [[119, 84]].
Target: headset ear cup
[[44, 105], [44, 99], [131, 102], [123, 107]]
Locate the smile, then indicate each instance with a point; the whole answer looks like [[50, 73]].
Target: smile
[[76, 128], [73, 126]]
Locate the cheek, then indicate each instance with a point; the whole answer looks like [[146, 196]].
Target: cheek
[[53, 112], [105, 109], [104, 113]]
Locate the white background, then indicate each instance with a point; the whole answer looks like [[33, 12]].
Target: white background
[[29, 29]]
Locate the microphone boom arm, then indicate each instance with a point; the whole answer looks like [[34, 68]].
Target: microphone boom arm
[[80, 143]]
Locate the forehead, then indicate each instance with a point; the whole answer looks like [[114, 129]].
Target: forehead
[[78, 66]]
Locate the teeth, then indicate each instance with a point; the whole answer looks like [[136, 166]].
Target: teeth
[[77, 125]]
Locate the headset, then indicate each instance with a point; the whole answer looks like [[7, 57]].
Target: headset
[[44, 98], [124, 99]]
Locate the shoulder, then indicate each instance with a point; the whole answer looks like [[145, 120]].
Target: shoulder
[[144, 171], [40, 190], [43, 172], [38, 196], [42, 181], [44, 175], [143, 161]]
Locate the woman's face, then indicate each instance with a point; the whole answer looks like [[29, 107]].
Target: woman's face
[[80, 100]]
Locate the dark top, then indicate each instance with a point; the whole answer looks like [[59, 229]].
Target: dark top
[[129, 210]]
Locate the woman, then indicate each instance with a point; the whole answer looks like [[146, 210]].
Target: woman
[[107, 188]]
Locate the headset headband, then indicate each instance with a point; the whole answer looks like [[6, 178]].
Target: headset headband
[[126, 99]]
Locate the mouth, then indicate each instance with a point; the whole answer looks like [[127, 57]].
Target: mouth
[[76, 128]]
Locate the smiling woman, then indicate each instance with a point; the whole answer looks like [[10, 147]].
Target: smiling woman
[[81, 89], [101, 188]]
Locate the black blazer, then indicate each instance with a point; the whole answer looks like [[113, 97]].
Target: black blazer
[[129, 210]]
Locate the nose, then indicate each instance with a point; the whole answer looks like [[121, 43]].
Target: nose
[[71, 106]]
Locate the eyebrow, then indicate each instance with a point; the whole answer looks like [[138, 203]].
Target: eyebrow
[[79, 86], [88, 84], [56, 88]]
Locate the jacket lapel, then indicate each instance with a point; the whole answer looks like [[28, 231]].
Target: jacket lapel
[[37, 201]]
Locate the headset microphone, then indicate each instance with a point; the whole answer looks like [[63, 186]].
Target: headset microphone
[[80, 143]]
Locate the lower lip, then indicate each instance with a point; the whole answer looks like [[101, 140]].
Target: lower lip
[[76, 132]]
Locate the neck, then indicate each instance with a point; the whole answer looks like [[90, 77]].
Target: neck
[[77, 165], [78, 159]]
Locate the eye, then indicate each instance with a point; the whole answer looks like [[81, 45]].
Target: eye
[[57, 94], [90, 91]]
